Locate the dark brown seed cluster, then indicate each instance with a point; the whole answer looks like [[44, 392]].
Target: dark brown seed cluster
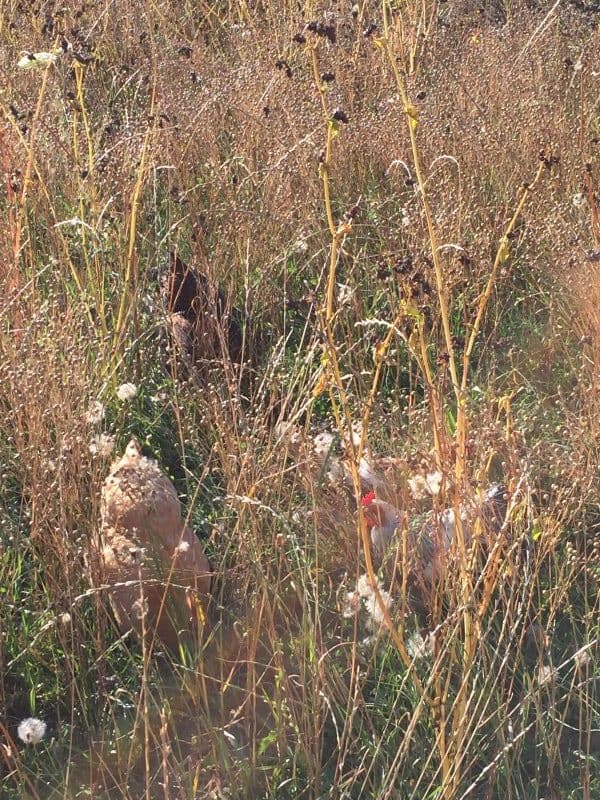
[[324, 29], [282, 65]]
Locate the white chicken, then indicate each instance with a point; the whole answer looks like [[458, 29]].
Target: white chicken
[[429, 538], [155, 565], [382, 519]]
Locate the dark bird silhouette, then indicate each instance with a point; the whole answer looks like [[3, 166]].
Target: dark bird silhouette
[[203, 327]]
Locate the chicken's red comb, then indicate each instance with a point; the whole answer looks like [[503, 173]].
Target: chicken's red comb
[[367, 499]]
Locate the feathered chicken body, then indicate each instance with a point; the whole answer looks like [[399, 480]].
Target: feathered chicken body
[[383, 520], [200, 322], [431, 537], [147, 546]]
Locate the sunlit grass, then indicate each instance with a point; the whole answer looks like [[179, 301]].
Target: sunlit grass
[[401, 209]]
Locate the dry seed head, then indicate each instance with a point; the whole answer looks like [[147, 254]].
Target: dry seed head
[[102, 445], [95, 413], [31, 730], [126, 392], [547, 675]]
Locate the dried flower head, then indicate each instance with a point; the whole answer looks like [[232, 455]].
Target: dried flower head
[[31, 730], [419, 647], [95, 413], [547, 675], [345, 293], [127, 391], [102, 445]]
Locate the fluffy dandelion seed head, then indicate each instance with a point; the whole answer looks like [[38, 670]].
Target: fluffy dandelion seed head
[[102, 445], [363, 586], [95, 413], [127, 391], [182, 547], [31, 730], [350, 604]]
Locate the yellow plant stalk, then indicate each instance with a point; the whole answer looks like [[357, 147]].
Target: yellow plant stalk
[[453, 756]]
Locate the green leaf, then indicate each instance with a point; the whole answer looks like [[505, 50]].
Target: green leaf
[[266, 741]]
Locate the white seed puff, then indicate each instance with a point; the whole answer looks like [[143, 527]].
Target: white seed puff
[[31, 730]]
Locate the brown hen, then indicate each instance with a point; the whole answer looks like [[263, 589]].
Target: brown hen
[[202, 326], [156, 568]]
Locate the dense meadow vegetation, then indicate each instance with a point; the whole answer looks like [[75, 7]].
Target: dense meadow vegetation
[[398, 206]]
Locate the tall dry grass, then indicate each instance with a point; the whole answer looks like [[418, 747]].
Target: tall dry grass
[[427, 267]]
